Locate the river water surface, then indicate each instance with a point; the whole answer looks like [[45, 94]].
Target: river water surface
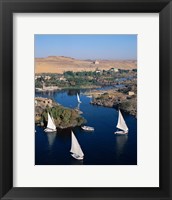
[[101, 147]]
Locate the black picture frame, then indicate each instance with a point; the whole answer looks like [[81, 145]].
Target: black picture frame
[[7, 8]]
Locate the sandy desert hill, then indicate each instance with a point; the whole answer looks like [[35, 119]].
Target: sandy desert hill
[[60, 64]]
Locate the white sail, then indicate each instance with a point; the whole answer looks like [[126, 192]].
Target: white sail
[[51, 124], [75, 147], [121, 123], [79, 101]]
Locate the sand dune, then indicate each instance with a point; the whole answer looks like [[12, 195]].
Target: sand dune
[[60, 64]]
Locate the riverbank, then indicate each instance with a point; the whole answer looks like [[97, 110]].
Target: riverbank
[[56, 88], [85, 79], [113, 98]]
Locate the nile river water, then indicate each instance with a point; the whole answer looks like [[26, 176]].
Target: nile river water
[[101, 147]]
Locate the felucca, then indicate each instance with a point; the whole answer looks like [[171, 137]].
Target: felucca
[[76, 149], [79, 101], [121, 125], [51, 127], [87, 128]]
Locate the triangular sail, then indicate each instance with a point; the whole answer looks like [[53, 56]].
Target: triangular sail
[[79, 101], [51, 124], [75, 147], [121, 123]]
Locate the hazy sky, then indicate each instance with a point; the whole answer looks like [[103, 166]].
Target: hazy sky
[[87, 46]]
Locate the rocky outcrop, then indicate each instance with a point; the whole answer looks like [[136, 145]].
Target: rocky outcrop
[[63, 117], [117, 100]]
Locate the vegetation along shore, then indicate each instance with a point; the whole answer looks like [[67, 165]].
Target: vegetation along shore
[[63, 117]]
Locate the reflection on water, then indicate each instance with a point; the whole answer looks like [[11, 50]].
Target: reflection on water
[[78, 106], [51, 138], [50, 93], [73, 92], [76, 162], [121, 141]]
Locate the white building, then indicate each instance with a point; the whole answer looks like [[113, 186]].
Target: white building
[[130, 93], [96, 62]]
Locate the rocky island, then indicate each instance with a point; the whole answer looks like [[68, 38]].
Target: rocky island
[[124, 98], [63, 117], [115, 99]]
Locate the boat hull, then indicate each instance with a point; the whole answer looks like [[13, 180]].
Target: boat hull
[[121, 133], [87, 128], [77, 157], [49, 130]]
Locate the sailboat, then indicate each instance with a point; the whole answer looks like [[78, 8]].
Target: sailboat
[[121, 125], [51, 127], [75, 148], [87, 128], [79, 101]]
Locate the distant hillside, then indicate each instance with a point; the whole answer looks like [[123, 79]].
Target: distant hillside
[[59, 64]]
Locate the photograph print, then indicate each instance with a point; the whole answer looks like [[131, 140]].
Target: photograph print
[[85, 99]]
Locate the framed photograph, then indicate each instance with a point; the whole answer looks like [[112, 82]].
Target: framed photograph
[[85, 99]]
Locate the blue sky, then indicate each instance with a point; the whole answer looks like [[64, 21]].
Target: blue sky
[[87, 46]]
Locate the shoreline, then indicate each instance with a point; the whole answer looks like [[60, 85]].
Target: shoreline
[[113, 99], [63, 117], [66, 88]]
